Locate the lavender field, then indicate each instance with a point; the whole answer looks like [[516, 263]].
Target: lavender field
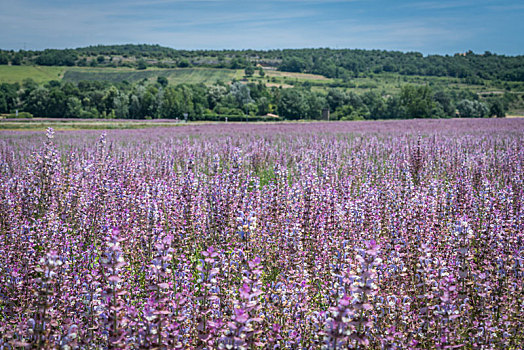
[[380, 235]]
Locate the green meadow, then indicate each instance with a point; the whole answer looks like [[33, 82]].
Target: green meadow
[[40, 74]]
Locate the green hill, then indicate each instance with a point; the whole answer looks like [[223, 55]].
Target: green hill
[[331, 63]]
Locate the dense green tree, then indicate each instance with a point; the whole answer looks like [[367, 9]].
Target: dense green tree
[[263, 106], [162, 81], [175, 102], [293, 64], [236, 63], [394, 108], [150, 100], [444, 100], [56, 106], [9, 96], [3, 104], [73, 107], [199, 100], [29, 84], [417, 100], [215, 94], [497, 109], [170, 104], [350, 112], [249, 71], [183, 63], [258, 90], [292, 104], [141, 64], [241, 94], [57, 58], [70, 89], [135, 107], [472, 109], [109, 98], [4, 58], [121, 105], [95, 100], [375, 105], [355, 100], [315, 104], [37, 102], [336, 98]]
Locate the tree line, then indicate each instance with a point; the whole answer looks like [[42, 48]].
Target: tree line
[[238, 101], [332, 63]]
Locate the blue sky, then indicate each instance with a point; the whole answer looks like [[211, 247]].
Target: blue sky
[[441, 27]]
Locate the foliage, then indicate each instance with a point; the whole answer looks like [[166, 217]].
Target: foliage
[[292, 104], [249, 71], [497, 109], [418, 101], [50, 57], [158, 99], [4, 58], [141, 64], [472, 109], [162, 81]]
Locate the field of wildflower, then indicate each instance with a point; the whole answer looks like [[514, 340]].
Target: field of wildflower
[[380, 235]]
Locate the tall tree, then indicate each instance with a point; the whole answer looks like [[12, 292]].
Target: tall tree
[[417, 100]]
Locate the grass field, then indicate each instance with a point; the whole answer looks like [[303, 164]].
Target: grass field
[[175, 76], [82, 124], [41, 124], [40, 74], [389, 82], [300, 76]]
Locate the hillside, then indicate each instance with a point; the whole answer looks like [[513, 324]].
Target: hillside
[[388, 82], [40, 74], [339, 63], [173, 75]]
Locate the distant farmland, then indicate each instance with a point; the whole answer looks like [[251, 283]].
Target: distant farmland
[[175, 76], [40, 74]]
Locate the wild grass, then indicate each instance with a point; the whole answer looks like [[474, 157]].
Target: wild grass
[[40, 74]]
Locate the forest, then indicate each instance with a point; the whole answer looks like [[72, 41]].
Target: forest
[[238, 101]]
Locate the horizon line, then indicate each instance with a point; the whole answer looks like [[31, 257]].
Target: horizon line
[[268, 49]]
